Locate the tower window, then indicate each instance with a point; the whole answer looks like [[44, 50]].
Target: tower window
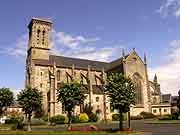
[[43, 36], [38, 32], [58, 75]]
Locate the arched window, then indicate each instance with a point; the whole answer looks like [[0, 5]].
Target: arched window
[[154, 100], [43, 34], [38, 33], [138, 86], [58, 75]]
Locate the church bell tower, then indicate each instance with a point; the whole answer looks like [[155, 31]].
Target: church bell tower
[[39, 38]]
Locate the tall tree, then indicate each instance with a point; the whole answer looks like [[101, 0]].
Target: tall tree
[[70, 95], [121, 91], [6, 99], [178, 102], [30, 99]]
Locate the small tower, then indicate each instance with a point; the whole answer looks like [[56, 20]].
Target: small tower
[[155, 79], [145, 59], [39, 42]]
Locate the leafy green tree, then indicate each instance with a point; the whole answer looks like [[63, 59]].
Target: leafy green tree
[[6, 99], [30, 99], [178, 102], [70, 95], [121, 91]]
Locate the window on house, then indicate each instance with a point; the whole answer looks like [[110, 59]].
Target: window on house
[[154, 111], [165, 110]]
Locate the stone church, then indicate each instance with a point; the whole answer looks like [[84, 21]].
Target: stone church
[[46, 72]]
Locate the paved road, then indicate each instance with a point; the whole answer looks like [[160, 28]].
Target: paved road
[[151, 129], [154, 129]]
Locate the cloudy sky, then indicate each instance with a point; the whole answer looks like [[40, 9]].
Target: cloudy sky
[[95, 29]]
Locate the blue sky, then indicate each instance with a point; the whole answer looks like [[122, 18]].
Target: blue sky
[[95, 29]]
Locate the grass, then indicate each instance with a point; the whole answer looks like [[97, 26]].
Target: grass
[[64, 133]]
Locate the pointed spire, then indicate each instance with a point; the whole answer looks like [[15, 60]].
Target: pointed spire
[[123, 52], [145, 58], [155, 78], [134, 49]]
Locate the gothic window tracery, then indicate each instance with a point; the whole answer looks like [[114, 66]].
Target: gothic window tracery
[[138, 87]]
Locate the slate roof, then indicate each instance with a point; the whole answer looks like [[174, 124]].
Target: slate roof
[[166, 98], [62, 61], [81, 63]]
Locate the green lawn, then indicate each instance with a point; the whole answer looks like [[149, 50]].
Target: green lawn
[[65, 133]]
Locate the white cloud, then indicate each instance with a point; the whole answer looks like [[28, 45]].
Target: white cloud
[[18, 49], [66, 45], [71, 41], [170, 7], [169, 72], [177, 13]]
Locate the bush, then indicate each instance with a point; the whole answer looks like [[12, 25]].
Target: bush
[[115, 117], [83, 117], [138, 117], [45, 118], [175, 115], [165, 117], [93, 117], [147, 115], [75, 119], [59, 119], [18, 125], [11, 120], [35, 121]]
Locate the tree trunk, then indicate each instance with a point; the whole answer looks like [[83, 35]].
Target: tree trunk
[[129, 120], [120, 120], [29, 122], [69, 121]]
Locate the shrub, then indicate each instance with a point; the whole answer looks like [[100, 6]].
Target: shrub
[[18, 125], [175, 115], [45, 118], [35, 121], [147, 115], [165, 117], [75, 119], [83, 117], [59, 119], [115, 117], [11, 120], [138, 117], [93, 117]]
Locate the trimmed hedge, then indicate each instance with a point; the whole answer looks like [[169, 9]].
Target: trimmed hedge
[[173, 116], [138, 117], [59, 119], [147, 115]]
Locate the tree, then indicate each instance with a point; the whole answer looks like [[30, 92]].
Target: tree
[[6, 99], [30, 99], [178, 102], [70, 95], [121, 91]]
